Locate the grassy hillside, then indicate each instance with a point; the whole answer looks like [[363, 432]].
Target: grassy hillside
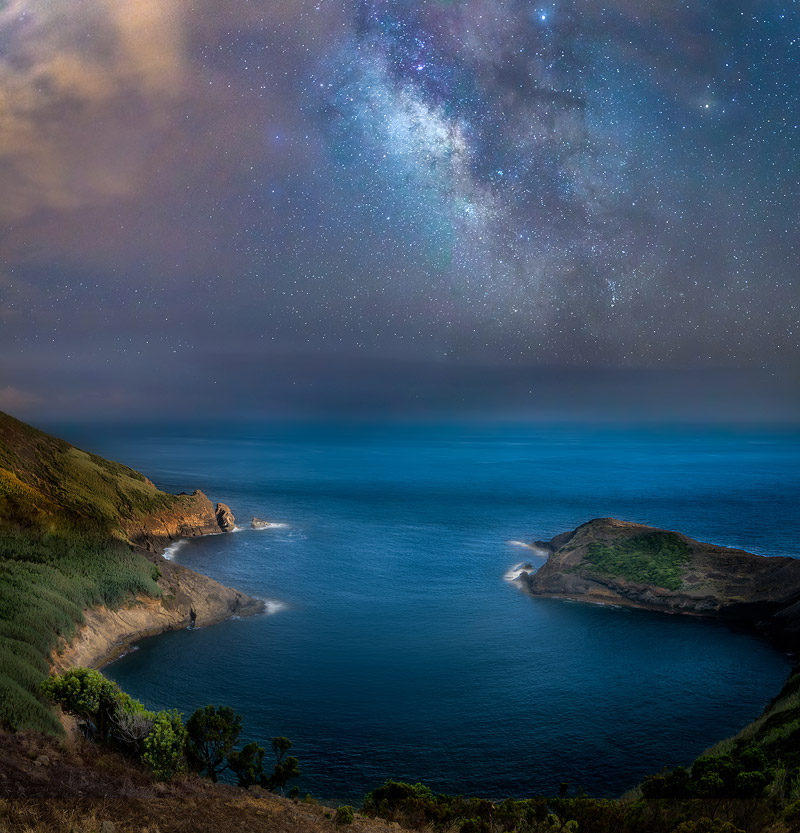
[[63, 514], [46, 484]]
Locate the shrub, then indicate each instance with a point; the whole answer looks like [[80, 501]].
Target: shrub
[[344, 814], [164, 748], [285, 768], [88, 695], [248, 764]]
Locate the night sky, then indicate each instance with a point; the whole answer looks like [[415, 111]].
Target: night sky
[[581, 208]]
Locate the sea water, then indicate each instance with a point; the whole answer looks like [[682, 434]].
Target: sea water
[[394, 645]]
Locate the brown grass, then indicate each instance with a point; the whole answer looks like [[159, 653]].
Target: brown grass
[[68, 786]]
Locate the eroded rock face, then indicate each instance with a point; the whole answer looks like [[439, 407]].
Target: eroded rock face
[[187, 516], [188, 598], [257, 523], [225, 520]]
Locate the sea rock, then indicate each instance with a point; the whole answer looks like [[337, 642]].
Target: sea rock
[[257, 523], [225, 518]]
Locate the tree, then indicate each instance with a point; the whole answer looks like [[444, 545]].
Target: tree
[[285, 768], [88, 695], [248, 764], [213, 732]]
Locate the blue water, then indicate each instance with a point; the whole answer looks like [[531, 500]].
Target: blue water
[[396, 648]]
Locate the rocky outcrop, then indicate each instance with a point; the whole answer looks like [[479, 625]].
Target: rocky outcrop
[[225, 520], [185, 516], [257, 523], [706, 580], [107, 633]]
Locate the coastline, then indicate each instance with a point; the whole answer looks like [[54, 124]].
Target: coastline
[[107, 634]]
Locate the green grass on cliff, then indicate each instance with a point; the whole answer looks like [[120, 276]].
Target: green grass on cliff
[[62, 549], [47, 483], [46, 581], [656, 558]]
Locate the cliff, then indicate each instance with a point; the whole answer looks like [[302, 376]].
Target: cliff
[[616, 562], [80, 544], [106, 632]]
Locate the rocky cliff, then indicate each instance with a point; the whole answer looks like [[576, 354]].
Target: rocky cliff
[[186, 516], [80, 553], [188, 598], [616, 562]]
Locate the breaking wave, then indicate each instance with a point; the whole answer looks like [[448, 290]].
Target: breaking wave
[[272, 606], [518, 569], [169, 552]]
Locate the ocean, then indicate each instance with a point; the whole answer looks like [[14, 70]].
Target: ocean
[[394, 645]]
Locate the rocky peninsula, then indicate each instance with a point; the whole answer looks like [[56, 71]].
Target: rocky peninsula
[[187, 598], [609, 561]]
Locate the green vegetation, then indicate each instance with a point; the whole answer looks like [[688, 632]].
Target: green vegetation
[[416, 807], [656, 558], [47, 483], [213, 733], [46, 581], [285, 768], [162, 750], [63, 514], [344, 814], [160, 740]]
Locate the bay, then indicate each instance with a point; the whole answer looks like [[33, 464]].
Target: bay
[[395, 647]]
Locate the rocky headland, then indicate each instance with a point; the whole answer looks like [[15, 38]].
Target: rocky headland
[[81, 543], [187, 598], [609, 561]]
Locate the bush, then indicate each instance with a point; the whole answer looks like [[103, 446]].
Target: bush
[[285, 768], [88, 695], [344, 814], [164, 748], [248, 764]]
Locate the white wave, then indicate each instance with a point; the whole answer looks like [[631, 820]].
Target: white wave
[[537, 551], [518, 569], [169, 552], [270, 525], [272, 606]]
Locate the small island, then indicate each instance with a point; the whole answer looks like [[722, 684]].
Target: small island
[[608, 561]]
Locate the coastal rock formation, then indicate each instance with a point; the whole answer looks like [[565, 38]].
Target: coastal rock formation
[[186, 516], [107, 633], [616, 562], [225, 519], [257, 523]]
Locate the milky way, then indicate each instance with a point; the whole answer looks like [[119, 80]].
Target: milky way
[[516, 185]]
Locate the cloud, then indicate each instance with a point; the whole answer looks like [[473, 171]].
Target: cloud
[[83, 85]]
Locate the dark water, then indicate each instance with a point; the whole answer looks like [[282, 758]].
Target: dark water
[[396, 648]]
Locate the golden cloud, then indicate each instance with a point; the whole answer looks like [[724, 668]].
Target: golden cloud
[[83, 86]]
